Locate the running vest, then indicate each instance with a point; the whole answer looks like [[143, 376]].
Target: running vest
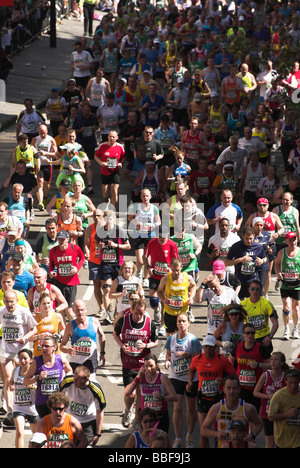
[[36, 298], [288, 221], [147, 390], [268, 222], [216, 117], [231, 93], [97, 92], [185, 247], [17, 208], [177, 294], [248, 377], [290, 268], [151, 184], [262, 136], [63, 226], [56, 113], [45, 326], [128, 285], [94, 250], [57, 435], [192, 146], [253, 177], [25, 155], [270, 386], [226, 416], [175, 205], [144, 221], [134, 358], [81, 208], [84, 342]]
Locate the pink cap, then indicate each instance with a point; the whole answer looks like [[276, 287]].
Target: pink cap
[[218, 266]]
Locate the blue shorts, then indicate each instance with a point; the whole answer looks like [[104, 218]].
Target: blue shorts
[[94, 272], [108, 271]]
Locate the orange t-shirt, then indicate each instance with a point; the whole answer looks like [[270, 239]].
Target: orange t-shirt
[[57, 435], [209, 370]]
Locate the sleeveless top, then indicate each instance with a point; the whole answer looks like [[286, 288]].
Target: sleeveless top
[[270, 386], [43, 326], [49, 385], [130, 285], [139, 442], [288, 221], [225, 416], [84, 342], [253, 177], [94, 250], [134, 358], [147, 389], [178, 295], [57, 435]]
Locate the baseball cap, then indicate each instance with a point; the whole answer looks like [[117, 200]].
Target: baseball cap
[[180, 80], [12, 231], [218, 266], [54, 89], [17, 256], [238, 425], [209, 340], [262, 201], [66, 183], [214, 94], [68, 146], [63, 235], [38, 438], [290, 235]]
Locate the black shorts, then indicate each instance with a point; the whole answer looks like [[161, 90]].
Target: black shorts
[[128, 376], [45, 173], [90, 152], [141, 243], [108, 271], [154, 283], [250, 197], [293, 293], [69, 292], [204, 404], [113, 178], [180, 388], [170, 322], [82, 81]]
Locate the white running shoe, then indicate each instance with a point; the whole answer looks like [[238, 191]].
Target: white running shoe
[[286, 334]]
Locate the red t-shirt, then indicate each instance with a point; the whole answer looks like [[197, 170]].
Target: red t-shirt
[[63, 261], [209, 370], [160, 256], [112, 155]]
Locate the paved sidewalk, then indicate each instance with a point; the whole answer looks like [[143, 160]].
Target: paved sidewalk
[[38, 68]]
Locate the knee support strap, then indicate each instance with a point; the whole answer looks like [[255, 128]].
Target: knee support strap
[[286, 312], [154, 301]]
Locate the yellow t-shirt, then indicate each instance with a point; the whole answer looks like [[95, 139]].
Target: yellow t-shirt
[[286, 431], [258, 314], [178, 294]]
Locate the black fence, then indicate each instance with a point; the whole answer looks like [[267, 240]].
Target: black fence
[[19, 27]]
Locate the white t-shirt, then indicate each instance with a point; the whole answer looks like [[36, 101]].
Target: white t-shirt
[[216, 303], [82, 59], [14, 325]]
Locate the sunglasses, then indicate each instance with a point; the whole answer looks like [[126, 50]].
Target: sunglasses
[[255, 289], [249, 333], [60, 410]]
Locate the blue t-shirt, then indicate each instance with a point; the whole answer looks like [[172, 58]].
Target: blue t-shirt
[[246, 272], [24, 282], [152, 116]]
